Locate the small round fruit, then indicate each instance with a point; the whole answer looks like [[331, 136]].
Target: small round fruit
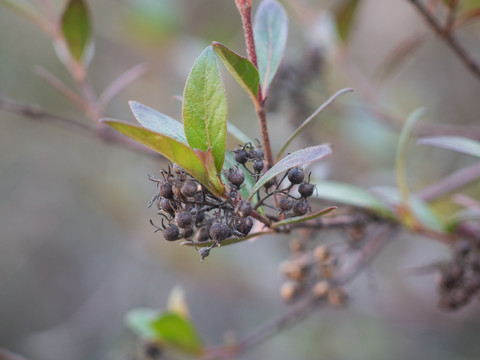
[[244, 208], [171, 233], [306, 189], [189, 188], [300, 208], [285, 204], [184, 219], [236, 176], [295, 175], [165, 190], [219, 231]]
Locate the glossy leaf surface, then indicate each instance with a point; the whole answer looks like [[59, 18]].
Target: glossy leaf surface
[[173, 150], [76, 27], [205, 107], [298, 158], [270, 32], [157, 122], [242, 69]]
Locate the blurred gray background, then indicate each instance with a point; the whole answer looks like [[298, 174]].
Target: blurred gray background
[[76, 247]]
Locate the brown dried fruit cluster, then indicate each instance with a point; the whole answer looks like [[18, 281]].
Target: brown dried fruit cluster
[[194, 214], [311, 271], [460, 279]]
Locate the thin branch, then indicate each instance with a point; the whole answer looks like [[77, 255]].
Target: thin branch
[[467, 59], [34, 112], [451, 183]]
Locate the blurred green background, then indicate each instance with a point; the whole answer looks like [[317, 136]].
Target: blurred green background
[[76, 247]]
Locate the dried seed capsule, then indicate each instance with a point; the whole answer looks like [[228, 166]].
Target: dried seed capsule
[[321, 253], [202, 234], [171, 233], [219, 231], [337, 297], [189, 188], [177, 190], [289, 290], [166, 206], [236, 176], [200, 216], [295, 175], [259, 154], [285, 204], [244, 225], [294, 270], [184, 219], [165, 190], [300, 208], [258, 166], [306, 189], [269, 184], [187, 233], [320, 289], [244, 208], [241, 155]]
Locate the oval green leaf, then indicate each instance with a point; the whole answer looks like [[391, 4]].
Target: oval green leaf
[[173, 150], [242, 69], [205, 107], [350, 195], [300, 219], [455, 143], [178, 332], [270, 32], [158, 122], [298, 158], [76, 27]]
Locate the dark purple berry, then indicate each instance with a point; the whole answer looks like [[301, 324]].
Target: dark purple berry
[[306, 189], [295, 175], [184, 219], [244, 225], [269, 184], [285, 204], [241, 156], [165, 190], [189, 188], [244, 208], [300, 208], [236, 176], [259, 153], [199, 218], [177, 190], [219, 231], [171, 233], [202, 234], [188, 233], [166, 206], [258, 166]]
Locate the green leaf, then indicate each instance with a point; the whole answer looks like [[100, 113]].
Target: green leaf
[[270, 32], [350, 195], [157, 122], [241, 69], [173, 150], [455, 143], [205, 107], [345, 17], [140, 322], [420, 209], [76, 27], [178, 332], [309, 119], [298, 158], [400, 165], [299, 219]]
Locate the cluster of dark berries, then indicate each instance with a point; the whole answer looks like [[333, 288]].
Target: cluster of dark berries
[[460, 279], [194, 214], [311, 271], [252, 155]]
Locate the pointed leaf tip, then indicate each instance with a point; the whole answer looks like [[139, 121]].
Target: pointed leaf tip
[[76, 27]]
